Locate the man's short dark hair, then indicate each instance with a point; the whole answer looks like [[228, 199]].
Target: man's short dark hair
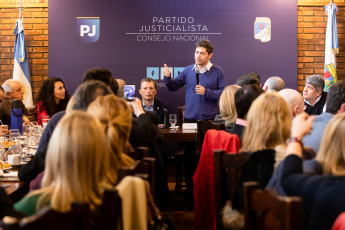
[[87, 93], [104, 75], [244, 98], [336, 97], [206, 44], [248, 79], [148, 80]]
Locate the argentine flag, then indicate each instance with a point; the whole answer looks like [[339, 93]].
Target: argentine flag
[[331, 47], [21, 66]]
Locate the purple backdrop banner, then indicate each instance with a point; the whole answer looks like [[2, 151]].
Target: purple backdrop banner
[[134, 38]]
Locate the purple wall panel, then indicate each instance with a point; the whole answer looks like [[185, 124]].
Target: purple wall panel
[[229, 23]]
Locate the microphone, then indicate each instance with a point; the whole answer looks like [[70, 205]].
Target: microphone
[[197, 75]]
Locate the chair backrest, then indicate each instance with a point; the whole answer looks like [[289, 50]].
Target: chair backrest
[[111, 210], [227, 171], [180, 114], [203, 126], [145, 169], [139, 153], [47, 218], [265, 209]]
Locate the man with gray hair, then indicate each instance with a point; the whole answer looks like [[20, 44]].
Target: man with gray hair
[[335, 105], [13, 90], [274, 84], [294, 99], [313, 95]]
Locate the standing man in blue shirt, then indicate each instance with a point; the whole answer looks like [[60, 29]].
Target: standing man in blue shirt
[[204, 83], [201, 99]]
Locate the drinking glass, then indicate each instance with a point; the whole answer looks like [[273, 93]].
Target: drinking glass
[[172, 120], [25, 129], [33, 128], [13, 134], [45, 120], [22, 143]]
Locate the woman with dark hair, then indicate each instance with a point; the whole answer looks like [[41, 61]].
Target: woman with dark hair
[[52, 98]]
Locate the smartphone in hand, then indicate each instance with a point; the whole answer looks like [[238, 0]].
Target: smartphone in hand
[[129, 92]]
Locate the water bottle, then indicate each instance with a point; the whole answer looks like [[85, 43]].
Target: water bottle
[[17, 116]]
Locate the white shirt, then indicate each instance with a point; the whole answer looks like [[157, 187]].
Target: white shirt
[[205, 68]]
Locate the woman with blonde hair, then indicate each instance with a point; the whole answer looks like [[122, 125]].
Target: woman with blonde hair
[[227, 107], [76, 164], [116, 117], [268, 123], [331, 155], [268, 126], [323, 195]]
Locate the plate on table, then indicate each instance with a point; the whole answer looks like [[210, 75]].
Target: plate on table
[[21, 163], [5, 165], [5, 168]]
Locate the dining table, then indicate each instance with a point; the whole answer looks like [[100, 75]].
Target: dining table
[[179, 134], [10, 182]]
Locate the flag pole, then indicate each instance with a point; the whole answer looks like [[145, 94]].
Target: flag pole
[[20, 8]]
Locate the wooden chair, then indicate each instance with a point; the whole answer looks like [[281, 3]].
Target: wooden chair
[[203, 126], [139, 153], [265, 209], [179, 155], [145, 169], [180, 114], [77, 218], [111, 210], [227, 171]]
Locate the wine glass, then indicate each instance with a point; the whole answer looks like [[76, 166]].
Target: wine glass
[[172, 120]]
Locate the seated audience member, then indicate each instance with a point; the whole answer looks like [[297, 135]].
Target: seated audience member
[[104, 75], [249, 79], [313, 95], [268, 127], [116, 118], [13, 90], [157, 110], [2, 94], [243, 100], [294, 100], [75, 166], [148, 90], [52, 98], [121, 91], [228, 114], [274, 84], [84, 95], [335, 104], [323, 196]]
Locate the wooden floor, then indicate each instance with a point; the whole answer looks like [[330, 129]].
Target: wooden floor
[[180, 208]]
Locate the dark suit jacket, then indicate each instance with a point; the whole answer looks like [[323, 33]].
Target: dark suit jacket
[[317, 109], [236, 129], [157, 116], [5, 112]]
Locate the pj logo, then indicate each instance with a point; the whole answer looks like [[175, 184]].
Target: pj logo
[[88, 28]]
